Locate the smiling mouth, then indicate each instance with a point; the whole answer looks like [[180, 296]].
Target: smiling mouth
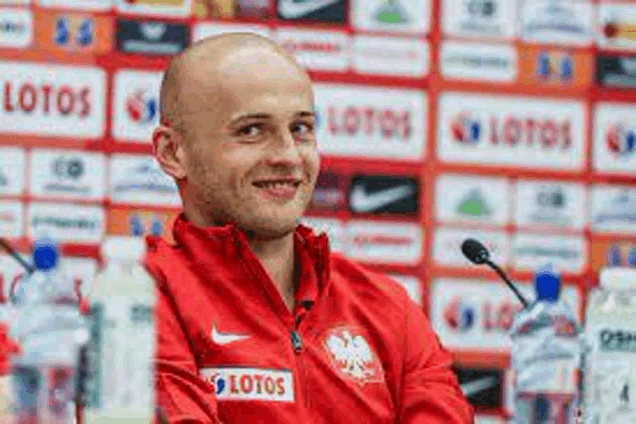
[[276, 184]]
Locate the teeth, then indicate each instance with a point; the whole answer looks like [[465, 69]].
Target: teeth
[[277, 184]]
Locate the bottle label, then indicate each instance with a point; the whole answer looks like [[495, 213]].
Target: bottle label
[[26, 382], [532, 408], [93, 354], [121, 357], [610, 378]]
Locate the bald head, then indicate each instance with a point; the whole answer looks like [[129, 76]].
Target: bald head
[[205, 72]]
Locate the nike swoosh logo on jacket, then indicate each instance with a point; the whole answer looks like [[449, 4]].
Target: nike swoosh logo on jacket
[[354, 350]]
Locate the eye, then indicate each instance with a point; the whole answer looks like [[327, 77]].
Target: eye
[[303, 128], [253, 130]]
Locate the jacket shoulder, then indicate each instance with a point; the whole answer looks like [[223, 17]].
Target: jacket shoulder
[[366, 283], [161, 258]]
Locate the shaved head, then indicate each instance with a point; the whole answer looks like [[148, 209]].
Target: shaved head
[[237, 133], [212, 61]]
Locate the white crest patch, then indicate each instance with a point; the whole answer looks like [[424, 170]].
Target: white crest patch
[[352, 356]]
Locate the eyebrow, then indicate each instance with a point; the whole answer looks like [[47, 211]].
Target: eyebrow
[[241, 117]]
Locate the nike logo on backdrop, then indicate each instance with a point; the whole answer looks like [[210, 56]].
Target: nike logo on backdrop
[[361, 201], [473, 387], [290, 9], [225, 338]]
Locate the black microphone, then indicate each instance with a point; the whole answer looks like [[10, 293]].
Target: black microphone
[[6, 246], [478, 254]]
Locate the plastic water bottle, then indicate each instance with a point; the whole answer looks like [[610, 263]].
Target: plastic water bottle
[[120, 385], [609, 395], [50, 331], [546, 347]]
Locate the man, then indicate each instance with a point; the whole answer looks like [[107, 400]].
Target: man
[[256, 321]]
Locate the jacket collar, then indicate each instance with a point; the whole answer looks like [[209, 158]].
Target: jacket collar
[[312, 251]]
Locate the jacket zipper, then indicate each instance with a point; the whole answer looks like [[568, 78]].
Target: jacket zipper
[[297, 347]]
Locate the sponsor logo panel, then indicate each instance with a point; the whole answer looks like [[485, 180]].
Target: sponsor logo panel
[[479, 18], [65, 222], [519, 131], [612, 253], [12, 170], [151, 37], [11, 219], [136, 105], [566, 254], [384, 195], [403, 16], [210, 29], [477, 315], [16, 27], [321, 50], [617, 25], [447, 246], [613, 209], [138, 179], [478, 61], [390, 56], [616, 70], [77, 4], [331, 11], [214, 9], [482, 387], [73, 32], [329, 194], [384, 242], [332, 227], [557, 21], [615, 138], [412, 285], [126, 220], [68, 174], [250, 384], [556, 67], [370, 121], [547, 203], [52, 100], [177, 8], [472, 199]]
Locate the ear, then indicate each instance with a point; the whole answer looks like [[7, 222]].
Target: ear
[[168, 147]]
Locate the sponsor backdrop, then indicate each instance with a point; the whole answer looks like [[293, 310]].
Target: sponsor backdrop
[[513, 121]]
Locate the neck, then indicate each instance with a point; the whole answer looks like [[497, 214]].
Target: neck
[[278, 258], [276, 255], [196, 216]]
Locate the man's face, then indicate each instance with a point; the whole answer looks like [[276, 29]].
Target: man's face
[[251, 150]]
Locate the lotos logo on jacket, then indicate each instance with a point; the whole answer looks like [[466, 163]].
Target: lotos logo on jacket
[[352, 356], [250, 384]]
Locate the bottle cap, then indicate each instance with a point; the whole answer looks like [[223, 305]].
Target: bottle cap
[[546, 284], [45, 254], [124, 248]]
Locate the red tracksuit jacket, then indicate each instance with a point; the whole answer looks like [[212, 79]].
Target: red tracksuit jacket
[[354, 350]]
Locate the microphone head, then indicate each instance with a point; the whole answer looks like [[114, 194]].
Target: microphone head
[[475, 251]]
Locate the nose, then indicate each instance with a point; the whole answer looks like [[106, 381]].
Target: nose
[[285, 152]]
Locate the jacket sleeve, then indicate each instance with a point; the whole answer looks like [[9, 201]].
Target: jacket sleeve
[[182, 397], [430, 393]]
